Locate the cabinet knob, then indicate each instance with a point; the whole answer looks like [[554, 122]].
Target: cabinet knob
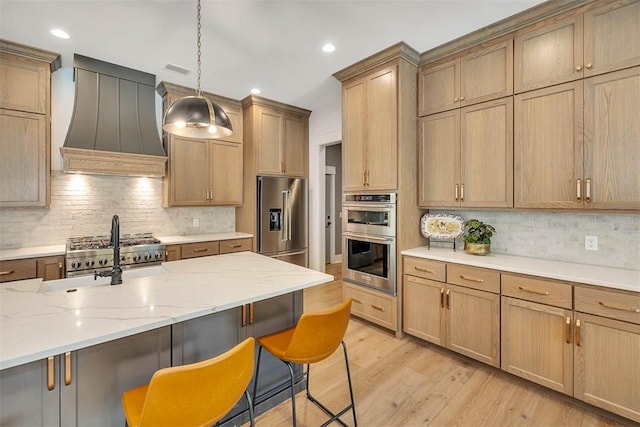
[[588, 66], [456, 99], [578, 67], [462, 98]]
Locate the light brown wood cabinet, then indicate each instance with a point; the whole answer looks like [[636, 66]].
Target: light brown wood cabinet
[[207, 248], [476, 76], [575, 144], [465, 319], [372, 306], [47, 268], [370, 136], [576, 45], [25, 124], [465, 157], [203, 172], [278, 137]]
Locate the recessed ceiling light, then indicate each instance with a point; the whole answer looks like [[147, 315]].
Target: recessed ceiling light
[[256, 91], [60, 33], [328, 48]]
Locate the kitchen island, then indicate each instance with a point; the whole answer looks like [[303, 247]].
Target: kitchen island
[[63, 342]]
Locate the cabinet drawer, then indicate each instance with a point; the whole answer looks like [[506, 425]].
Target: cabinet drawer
[[538, 290], [17, 269], [472, 277], [618, 305], [194, 250], [426, 268], [372, 306], [235, 245]]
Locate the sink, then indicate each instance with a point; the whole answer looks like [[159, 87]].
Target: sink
[[75, 283]]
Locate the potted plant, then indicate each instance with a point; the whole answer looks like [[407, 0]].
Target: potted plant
[[477, 237]]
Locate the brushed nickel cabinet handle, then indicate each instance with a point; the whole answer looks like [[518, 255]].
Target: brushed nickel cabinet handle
[[456, 193], [67, 368], [375, 307], [619, 307], [533, 291], [5, 273], [462, 192], [235, 246], [568, 330], [471, 279], [200, 250], [448, 300], [423, 269], [51, 376], [579, 189], [588, 190], [441, 297], [578, 332], [357, 301]]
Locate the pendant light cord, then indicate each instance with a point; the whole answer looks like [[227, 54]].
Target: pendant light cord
[[199, 91]]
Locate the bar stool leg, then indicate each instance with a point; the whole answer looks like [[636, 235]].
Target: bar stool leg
[[293, 393], [255, 380]]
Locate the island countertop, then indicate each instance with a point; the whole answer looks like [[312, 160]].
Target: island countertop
[[41, 319]]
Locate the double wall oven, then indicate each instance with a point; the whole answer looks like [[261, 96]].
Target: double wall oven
[[369, 240]]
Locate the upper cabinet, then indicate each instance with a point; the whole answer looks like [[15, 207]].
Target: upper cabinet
[[370, 137], [203, 172], [576, 45], [277, 136], [25, 124], [476, 76]]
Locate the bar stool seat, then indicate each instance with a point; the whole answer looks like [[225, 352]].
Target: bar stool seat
[[198, 394], [316, 336]]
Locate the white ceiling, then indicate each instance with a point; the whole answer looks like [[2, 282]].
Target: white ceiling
[[271, 44]]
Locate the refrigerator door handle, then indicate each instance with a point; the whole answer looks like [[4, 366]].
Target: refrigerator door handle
[[289, 221], [285, 215]]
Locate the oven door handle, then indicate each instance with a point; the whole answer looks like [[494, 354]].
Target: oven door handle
[[368, 237]]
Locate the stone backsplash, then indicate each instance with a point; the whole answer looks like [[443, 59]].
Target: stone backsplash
[[82, 205]]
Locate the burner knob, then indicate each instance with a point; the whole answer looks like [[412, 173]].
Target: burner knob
[[122, 258], [103, 261], [75, 264], [147, 256], [136, 258], [158, 255], [89, 263]]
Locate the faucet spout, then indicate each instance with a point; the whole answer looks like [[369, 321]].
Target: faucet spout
[[116, 270]]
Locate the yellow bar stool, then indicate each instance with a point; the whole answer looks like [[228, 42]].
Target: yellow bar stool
[[316, 336], [198, 394]]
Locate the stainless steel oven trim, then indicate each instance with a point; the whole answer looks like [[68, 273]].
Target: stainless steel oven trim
[[371, 281], [370, 229]]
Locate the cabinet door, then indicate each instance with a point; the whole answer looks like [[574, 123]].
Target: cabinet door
[[487, 74], [24, 166], [295, 146], [353, 131], [270, 141], [98, 376], [548, 53], [226, 173], [25, 84], [612, 148], [611, 37], [381, 148], [486, 155], [51, 268], [423, 312], [18, 269], [439, 160], [189, 172], [606, 364], [548, 148], [473, 323], [537, 343], [25, 396], [235, 116], [438, 88], [173, 253]]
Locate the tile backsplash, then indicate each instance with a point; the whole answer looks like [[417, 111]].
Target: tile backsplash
[[560, 236], [82, 205]]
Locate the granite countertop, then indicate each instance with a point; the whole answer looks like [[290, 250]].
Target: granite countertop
[[40, 319], [54, 250], [616, 278]]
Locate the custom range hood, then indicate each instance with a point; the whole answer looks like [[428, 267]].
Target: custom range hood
[[113, 128]]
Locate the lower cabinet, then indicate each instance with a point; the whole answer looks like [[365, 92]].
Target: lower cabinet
[[370, 305], [47, 268], [194, 250]]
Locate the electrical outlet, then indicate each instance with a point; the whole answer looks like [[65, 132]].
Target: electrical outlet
[[591, 243], [196, 222]]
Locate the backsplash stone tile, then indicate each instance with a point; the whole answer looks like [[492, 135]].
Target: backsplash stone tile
[[82, 205], [560, 236]]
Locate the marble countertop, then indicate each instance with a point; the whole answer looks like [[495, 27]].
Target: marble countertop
[[41, 319], [53, 250], [616, 278]]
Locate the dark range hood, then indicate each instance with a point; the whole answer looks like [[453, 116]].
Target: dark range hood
[[113, 128]]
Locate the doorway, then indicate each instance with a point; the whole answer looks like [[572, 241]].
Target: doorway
[[333, 204]]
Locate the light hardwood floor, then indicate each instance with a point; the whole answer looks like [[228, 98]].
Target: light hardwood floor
[[407, 382]]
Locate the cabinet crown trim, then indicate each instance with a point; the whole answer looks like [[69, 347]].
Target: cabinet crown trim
[[166, 87], [54, 59], [398, 50], [270, 103]]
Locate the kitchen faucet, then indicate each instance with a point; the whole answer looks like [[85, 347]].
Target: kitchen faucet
[[116, 271]]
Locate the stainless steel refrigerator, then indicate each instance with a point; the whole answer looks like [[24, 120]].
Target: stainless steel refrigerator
[[282, 218]]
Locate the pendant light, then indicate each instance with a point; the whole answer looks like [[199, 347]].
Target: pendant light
[[197, 116]]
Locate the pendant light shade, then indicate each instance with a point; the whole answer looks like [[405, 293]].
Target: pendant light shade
[[197, 116]]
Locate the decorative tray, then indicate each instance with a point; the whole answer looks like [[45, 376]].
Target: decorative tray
[[441, 226]]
